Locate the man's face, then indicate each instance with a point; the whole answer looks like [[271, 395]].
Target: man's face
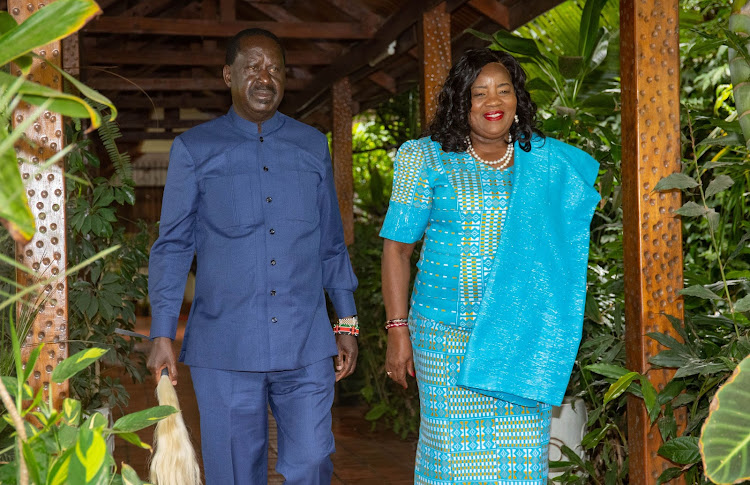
[[256, 78]]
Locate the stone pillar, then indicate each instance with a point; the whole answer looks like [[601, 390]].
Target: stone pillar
[[342, 154], [650, 65], [45, 255], [434, 57]]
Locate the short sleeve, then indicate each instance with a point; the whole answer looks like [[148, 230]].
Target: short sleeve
[[411, 198]]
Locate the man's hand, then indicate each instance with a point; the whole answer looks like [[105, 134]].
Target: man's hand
[[399, 357], [346, 361], [162, 356]]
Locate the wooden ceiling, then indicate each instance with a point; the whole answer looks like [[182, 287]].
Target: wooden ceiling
[[173, 50]]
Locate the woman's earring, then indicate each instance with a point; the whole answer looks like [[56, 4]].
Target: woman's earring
[[516, 119]]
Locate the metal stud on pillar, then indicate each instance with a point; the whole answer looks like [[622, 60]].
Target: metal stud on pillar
[[434, 56], [46, 253], [650, 65], [342, 154]]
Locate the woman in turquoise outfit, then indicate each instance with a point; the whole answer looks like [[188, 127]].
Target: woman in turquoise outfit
[[494, 321]]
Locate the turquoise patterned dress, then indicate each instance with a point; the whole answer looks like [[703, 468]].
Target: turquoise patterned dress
[[459, 206]]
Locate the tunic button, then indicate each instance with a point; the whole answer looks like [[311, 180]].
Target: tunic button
[[261, 139], [274, 320], [265, 169], [273, 262], [268, 199], [272, 231], [273, 292]]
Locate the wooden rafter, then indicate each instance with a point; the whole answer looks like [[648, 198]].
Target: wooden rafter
[[208, 28], [172, 57], [171, 84], [360, 55], [357, 11], [384, 80], [280, 14], [143, 9], [496, 11]]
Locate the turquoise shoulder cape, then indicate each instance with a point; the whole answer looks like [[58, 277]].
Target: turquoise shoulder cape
[[526, 336]]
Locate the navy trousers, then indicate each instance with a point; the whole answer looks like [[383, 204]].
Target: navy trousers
[[234, 424]]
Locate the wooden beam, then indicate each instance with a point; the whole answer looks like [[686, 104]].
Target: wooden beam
[[360, 55], [435, 55], [342, 155], [652, 237], [165, 57], [172, 84], [228, 10], [139, 100], [208, 9], [524, 11], [143, 8], [494, 10], [357, 10], [46, 254], [208, 28], [280, 14], [383, 80]]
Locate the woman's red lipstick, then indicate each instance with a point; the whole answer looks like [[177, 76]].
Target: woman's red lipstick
[[494, 115]]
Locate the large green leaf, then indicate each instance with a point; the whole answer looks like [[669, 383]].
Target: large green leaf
[[129, 476], [76, 363], [87, 464], [142, 419], [15, 213], [59, 471], [725, 438], [63, 103], [53, 22], [589, 31]]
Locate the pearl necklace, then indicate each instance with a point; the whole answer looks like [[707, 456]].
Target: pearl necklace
[[502, 162]]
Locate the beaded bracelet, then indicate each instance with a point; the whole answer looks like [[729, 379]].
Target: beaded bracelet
[[396, 322], [347, 326]]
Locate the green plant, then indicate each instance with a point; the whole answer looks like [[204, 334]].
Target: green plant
[[725, 437], [63, 446], [103, 295], [714, 337]]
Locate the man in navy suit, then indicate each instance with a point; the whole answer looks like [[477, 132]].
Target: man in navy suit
[[251, 195]]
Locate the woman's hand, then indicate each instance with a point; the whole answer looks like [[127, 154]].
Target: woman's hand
[[399, 359]]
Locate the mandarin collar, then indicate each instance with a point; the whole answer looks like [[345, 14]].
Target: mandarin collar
[[250, 128]]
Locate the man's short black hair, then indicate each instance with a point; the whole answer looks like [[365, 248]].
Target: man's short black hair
[[233, 47]]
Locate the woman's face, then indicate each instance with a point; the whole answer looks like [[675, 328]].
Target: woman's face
[[493, 103]]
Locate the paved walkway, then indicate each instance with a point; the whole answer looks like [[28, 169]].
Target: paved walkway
[[362, 457]]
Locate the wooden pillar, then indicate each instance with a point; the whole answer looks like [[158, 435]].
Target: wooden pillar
[[650, 65], [342, 154], [46, 253], [435, 57]]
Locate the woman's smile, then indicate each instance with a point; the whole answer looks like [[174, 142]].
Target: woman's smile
[[494, 115]]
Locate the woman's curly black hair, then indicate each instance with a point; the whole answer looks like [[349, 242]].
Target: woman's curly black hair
[[450, 126]]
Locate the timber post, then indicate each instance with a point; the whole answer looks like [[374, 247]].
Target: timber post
[[45, 254], [434, 57], [652, 239], [342, 154]]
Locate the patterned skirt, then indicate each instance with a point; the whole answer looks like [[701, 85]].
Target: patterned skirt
[[465, 437]]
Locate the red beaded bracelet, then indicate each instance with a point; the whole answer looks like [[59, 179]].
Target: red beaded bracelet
[[396, 322]]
